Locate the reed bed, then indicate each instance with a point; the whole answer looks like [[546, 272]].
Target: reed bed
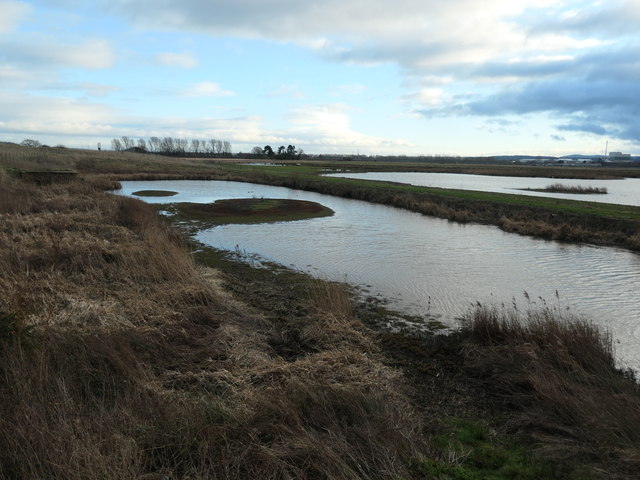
[[579, 189], [558, 374]]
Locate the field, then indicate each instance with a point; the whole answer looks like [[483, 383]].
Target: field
[[127, 351]]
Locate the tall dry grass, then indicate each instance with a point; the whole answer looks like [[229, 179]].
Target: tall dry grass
[[120, 359], [559, 373]]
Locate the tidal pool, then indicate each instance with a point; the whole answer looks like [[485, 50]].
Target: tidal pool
[[623, 192], [431, 267]]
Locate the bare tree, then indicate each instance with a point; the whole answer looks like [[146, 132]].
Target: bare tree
[[127, 142], [196, 146], [181, 145], [166, 145], [142, 144], [226, 147], [154, 144], [116, 145]]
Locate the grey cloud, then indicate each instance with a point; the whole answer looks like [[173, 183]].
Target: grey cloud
[[600, 108], [566, 95], [583, 127]]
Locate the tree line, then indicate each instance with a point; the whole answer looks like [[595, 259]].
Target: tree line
[[290, 152], [173, 146]]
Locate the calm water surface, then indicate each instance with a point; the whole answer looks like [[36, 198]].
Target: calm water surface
[[425, 265], [623, 192]]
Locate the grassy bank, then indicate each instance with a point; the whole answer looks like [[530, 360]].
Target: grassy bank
[[124, 356], [549, 218]]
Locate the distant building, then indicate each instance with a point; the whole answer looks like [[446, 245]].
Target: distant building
[[619, 157]]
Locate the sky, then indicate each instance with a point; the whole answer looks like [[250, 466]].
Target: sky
[[375, 77]]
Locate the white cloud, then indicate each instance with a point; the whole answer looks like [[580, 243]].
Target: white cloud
[[182, 60], [38, 51], [207, 89], [12, 14], [29, 114], [94, 54], [428, 97], [329, 127]]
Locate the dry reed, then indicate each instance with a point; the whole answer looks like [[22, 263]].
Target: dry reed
[[559, 372], [120, 359]]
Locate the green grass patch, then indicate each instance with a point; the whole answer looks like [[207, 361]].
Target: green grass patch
[[472, 451], [154, 193], [561, 205]]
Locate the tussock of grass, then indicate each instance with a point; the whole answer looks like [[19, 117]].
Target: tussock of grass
[[559, 374], [579, 189]]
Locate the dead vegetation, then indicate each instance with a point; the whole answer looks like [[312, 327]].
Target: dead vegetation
[[120, 358], [557, 375]]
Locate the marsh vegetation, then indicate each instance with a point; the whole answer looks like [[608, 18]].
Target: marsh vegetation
[[560, 188], [123, 355]]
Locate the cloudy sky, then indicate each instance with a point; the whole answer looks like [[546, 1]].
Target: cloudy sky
[[432, 77]]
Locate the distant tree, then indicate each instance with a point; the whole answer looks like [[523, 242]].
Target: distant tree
[[256, 151], [142, 144], [226, 147], [291, 151], [167, 145], [268, 151], [128, 142], [116, 144], [211, 148], [28, 142], [154, 144], [181, 145], [281, 150]]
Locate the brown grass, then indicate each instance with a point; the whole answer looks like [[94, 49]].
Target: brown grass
[[121, 359], [558, 374], [579, 189]]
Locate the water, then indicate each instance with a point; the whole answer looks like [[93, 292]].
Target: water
[[622, 192], [425, 265]]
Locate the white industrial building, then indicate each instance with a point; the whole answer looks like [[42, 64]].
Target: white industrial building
[[619, 157]]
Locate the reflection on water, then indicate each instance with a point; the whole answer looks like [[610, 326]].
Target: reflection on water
[[623, 192], [422, 263]]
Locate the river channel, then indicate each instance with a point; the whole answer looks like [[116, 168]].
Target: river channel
[[623, 191], [431, 267]]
